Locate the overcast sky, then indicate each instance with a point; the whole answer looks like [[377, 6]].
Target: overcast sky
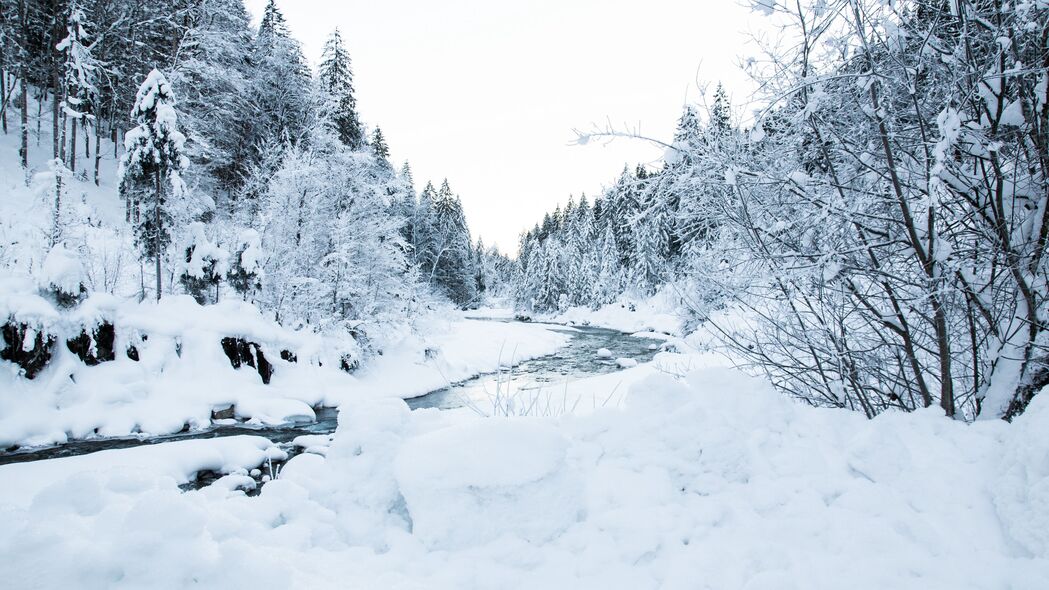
[[487, 92]]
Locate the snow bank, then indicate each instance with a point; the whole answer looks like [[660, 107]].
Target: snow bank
[[169, 366], [165, 368], [660, 314], [471, 484], [711, 480], [57, 481], [453, 351]]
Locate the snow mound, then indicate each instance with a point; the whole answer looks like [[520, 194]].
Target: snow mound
[[471, 484], [604, 353], [626, 363], [1024, 480], [62, 271]]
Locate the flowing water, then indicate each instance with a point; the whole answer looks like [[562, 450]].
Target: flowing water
[[578, 359]]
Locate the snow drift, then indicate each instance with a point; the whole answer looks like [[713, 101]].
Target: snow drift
[[711, 480]]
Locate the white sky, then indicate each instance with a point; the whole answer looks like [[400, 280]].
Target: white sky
[[487, 92]]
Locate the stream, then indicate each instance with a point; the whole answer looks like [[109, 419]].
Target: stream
[[578, 359]]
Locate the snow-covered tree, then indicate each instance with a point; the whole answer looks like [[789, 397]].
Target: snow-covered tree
[[204, 266], [336, 77], [246, 265], [152, 167], [80, 70]]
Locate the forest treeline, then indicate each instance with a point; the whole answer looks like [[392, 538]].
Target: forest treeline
[[243, 171]]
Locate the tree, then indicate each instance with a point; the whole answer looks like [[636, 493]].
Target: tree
[[452, 269], [215, 72], [282, 81], [79, 73], [336, 77], [153, 157], [379, 148], [245, 268], [204, 266]]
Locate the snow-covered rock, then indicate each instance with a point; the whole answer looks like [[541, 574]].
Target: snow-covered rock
[[626, 363], [604, 353]]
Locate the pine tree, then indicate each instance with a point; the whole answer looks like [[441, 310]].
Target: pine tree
[[404, 208], [79, 73], [153, 157], [608, 284], [336, 77], [282, 80], [453, 266], [273, 22], [720, 114], [379, 148], [425, 235]]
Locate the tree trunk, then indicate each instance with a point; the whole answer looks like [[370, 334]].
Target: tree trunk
[[3, 98], [56, 219], [157, 231], [23, 149], [72, 145], [98, 149], [40, 114], [57, 128]]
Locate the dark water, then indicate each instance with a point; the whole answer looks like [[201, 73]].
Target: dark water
[[576, 360]]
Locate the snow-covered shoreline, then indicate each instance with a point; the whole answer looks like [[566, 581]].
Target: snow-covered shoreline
[[181, 373]]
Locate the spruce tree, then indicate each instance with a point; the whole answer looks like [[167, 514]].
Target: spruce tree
[[282, 81], [336, 77], [379, 148], [152, 161], [720, 113]]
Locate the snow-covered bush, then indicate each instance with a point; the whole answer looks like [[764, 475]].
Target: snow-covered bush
[[205, 265], [245, 266], [61, 277]]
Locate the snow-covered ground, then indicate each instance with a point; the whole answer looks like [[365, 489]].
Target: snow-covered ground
[[659, 314], [709, 480]]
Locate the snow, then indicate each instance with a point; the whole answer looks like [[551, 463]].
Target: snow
[[626, 363], [661, 313], [604, 353], [49, 481], [62, 271], [710, 479], [471, 484]]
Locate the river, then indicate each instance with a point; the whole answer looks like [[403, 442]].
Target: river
[[487, 393]]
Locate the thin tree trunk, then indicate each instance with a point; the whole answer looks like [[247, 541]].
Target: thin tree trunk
[[40, 114], [23, 149], [57, 217], [3, 99], [157, 231], [57, 123], [87, 143], [72, 145], [98, 149]]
